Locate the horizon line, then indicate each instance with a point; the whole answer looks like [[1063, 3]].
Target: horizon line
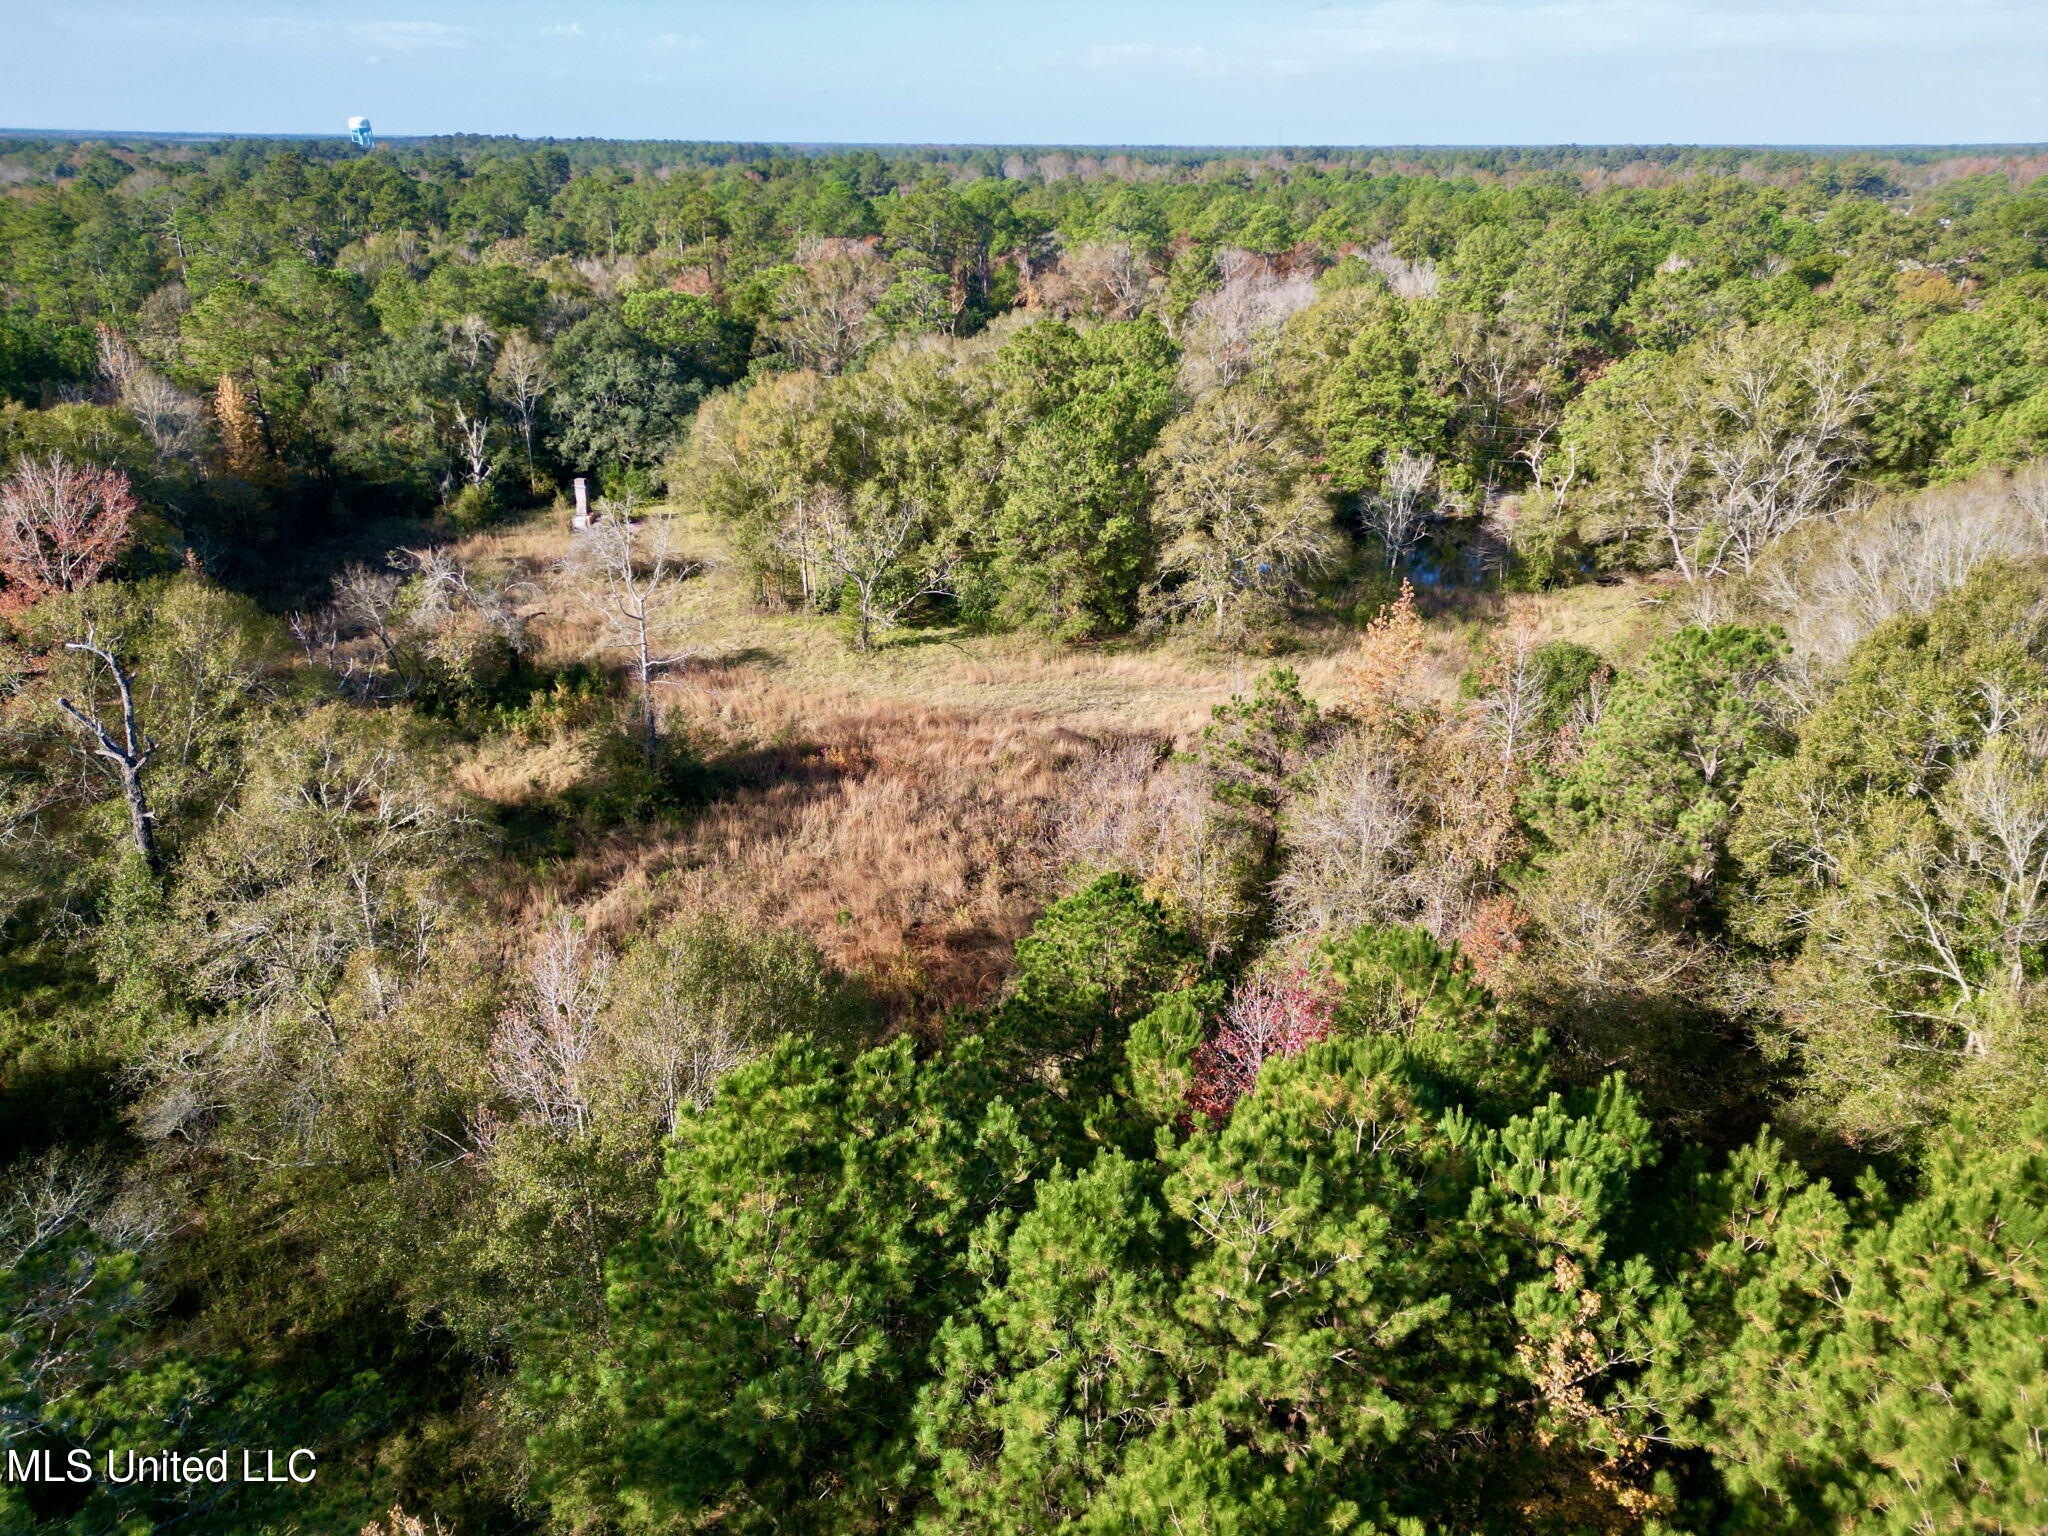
[[84, 135]]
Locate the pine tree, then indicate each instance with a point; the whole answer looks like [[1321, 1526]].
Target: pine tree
[[1073, 1355], [1850, 1369], [1092, 964], [772, 1329]]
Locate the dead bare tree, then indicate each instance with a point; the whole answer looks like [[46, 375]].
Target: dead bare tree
[[473, 441], [129, 753], [1133, 806], [472, 339], [547, 1044], [1231, 324], [1536, 453], [1996, 814], [521, 380], [629, 572], [363, 601], [869, 547], [1399, 512], [448, 585]]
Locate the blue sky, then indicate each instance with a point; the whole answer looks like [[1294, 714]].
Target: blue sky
[[1037, 71]]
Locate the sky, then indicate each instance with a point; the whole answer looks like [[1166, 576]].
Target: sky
[[1044, 71]]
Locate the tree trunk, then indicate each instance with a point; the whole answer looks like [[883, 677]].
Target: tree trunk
[[129, 755], [141, 821], [650, 738]]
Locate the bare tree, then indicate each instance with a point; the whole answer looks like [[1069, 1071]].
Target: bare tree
[[1405, 279], [825, 307], [1501, 375], [1550, 482], [174, 421], [546, 1048], [1133, 806], [1509, 708], [2030, 491], [1949, 937], [473, 440], [1112, 815], [1109, 279], [448, 585], [1770, 477], [1593, 909], [1246, 308], [521, 380], [1351, 841], [472, 339], [1994, 870], [871, 547], [797, 538], [55, 1206], [1665, 487], [316, 900], [1398, 513], [445, 613], [1765, 446], [629, 572], [61, 525], [703, 995], [397, 1522], [129, 753], [1831, 588], [364, 598]]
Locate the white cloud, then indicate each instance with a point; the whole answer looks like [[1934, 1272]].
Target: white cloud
[[414, 36], [380, 37], [563, 29]]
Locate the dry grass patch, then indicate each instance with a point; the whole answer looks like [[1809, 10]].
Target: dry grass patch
[[903, 808], [509, 770], [909, 842]]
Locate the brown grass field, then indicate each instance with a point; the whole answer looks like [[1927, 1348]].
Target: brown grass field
[[900, 808]]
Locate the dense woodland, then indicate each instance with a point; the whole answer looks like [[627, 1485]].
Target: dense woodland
[[1225, 842]]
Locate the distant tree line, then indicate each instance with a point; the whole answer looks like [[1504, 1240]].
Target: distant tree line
[[1665, 374]]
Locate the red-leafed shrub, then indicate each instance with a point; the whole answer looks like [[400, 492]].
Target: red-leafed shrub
[[1274, 1015], [61, 525]]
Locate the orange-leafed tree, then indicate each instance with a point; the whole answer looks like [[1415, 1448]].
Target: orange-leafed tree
[[240, 429], [1384, 674], [61, 525]]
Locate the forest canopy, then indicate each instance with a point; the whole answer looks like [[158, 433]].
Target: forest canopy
[[826, 839]]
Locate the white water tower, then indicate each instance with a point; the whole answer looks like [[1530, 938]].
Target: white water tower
[[359, 133]]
